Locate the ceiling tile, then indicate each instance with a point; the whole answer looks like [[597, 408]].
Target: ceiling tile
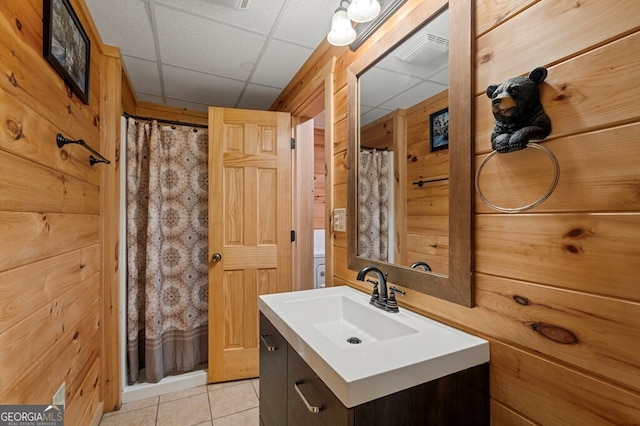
[[201, 44], [149, 98], [414, 95], [279, 63], [201, 88], [296, 27], [193, 106], [130, 31], [258, 17], [375, 88], [144, 75], [258, 97], [373, 114]]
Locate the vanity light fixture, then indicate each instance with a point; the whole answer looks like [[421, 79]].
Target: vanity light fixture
[[363, 10], [342, 32]]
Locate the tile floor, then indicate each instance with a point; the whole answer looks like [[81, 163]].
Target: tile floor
[[220, 404]]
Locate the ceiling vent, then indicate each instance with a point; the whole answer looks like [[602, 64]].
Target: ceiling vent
[[422, 48]]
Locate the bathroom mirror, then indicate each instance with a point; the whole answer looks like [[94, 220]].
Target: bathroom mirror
[[399, 100]]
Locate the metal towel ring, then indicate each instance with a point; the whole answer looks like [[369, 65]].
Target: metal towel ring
[[556, 176]]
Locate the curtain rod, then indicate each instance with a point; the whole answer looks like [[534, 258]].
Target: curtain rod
[[368, 148], [160, 120]]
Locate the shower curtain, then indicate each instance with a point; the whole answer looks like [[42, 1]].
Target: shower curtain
[[373, 204], [167, 196]]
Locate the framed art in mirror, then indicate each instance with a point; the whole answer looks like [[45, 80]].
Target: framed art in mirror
[[439, 130]]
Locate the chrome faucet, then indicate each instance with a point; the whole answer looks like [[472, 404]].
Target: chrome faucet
[[379, 297], [421, 264]]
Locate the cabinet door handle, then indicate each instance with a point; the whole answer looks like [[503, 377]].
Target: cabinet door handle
[[313, 408], [270, 348]]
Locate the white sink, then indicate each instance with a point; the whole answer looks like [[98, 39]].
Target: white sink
[[346, 322], [390, 351]]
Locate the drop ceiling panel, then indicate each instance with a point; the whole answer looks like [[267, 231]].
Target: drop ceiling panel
[[130, 31], [414, 95], [212, 53], [279, 63], [198, 87], [259, 15], [192, 106], [144, 75], [375, 88], [198, 43], [258, 97], [373, 114], [306, 22], [149, 98]]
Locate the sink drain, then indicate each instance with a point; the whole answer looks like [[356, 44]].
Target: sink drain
[[354, 340]]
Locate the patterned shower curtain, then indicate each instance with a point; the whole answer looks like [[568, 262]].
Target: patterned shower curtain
[[167, 196], [373, 204]]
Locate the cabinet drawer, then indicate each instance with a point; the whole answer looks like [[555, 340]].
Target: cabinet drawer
[[304, 384], [273, 375]]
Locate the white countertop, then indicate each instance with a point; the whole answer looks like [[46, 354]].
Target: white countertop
[[398, 350]]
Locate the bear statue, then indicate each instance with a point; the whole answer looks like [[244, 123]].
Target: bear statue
[[518, 113]]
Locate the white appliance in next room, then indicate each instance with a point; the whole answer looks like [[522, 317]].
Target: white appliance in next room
[[318, 258]]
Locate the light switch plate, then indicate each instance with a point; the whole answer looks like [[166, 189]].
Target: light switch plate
[[58, 398], [340, 220]]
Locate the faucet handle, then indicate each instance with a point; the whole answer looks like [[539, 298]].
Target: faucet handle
[[393, 291], [374, 293], [392, 305]]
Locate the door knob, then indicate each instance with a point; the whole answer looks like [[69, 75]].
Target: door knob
[[216, 257]]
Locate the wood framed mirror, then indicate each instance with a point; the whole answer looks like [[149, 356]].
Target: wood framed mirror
[[452, 280]]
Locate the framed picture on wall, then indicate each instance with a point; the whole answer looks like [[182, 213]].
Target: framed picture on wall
[[439, 130], [66, 46]]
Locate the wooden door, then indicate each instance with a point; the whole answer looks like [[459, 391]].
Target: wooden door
[[250, 230]]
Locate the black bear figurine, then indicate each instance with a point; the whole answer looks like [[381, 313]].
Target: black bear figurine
[[519, 116]]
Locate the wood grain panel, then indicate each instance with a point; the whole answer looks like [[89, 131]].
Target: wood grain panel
[[29, 237], [595, 176], [51, 214], [569, 396], [319, 179], [513, 311], [233, 206], [255, 257], [23, 132], [501, 415], [78, 346], [267, 211], [577, 94], [86, 400], [32, 80], [20, 345], [378, 134], [33, 188], [596, 253], [43, 281], [110, 132], [565, 25], [165, 112], [491, 13]]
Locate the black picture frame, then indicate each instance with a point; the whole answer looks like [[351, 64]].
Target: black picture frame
[[66, 46], [439, 130]]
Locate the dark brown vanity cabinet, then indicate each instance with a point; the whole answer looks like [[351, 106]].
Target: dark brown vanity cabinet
[[292, 394]]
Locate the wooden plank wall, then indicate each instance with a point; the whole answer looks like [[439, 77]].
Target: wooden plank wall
[[51, 254], [319, 171], [557, 289], [427, 236]]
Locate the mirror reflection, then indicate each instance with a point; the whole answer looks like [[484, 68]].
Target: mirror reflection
[[403, 159]]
